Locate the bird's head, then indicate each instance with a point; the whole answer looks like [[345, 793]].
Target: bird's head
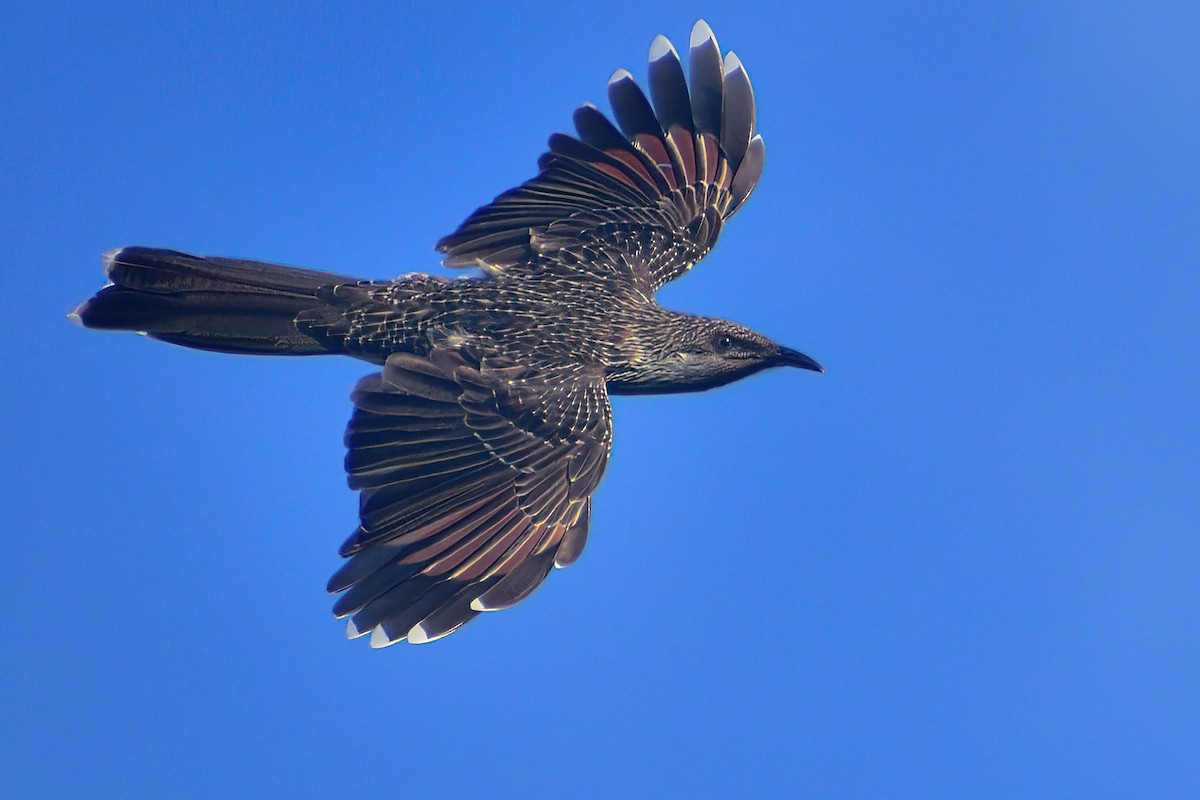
[[690, 354]]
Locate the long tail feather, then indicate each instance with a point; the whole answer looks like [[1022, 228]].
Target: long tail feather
[[223, 304]]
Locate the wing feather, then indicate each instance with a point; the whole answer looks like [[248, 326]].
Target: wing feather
[[646, 196], [738, 119], [473, 472]]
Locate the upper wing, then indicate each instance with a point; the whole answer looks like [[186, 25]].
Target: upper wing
[[651, 196], [476, 476]]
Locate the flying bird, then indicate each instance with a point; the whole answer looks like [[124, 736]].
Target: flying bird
[[477, 445]]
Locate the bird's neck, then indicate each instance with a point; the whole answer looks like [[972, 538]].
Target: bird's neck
[[650, 356]]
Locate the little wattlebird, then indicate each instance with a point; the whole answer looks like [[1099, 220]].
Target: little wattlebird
[[477, 447]]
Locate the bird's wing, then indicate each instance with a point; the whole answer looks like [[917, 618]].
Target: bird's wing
[[648, 194], [475, 478]]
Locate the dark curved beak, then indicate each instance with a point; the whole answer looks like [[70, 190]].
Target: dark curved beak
[[787, 357]]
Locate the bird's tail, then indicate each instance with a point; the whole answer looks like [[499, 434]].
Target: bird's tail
[[223, 304]]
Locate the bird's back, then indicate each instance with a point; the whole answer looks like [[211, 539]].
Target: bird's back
[[558, 316]]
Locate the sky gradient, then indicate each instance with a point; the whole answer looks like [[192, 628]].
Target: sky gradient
[[963, 563]]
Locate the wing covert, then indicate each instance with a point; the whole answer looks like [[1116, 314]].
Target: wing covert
[[649, 193]]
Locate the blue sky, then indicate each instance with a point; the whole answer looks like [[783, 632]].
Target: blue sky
[[964, 563]]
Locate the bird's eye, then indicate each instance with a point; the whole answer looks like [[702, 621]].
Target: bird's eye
[[723, 341]]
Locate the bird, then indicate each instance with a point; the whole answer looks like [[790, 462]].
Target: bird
[[478, 442]]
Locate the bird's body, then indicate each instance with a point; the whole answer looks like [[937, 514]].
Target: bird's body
[[565, 319], [477, 446]]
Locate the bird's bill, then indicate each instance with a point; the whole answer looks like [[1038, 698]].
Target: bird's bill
[[787, 357]]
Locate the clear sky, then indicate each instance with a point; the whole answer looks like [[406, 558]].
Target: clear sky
[[964, 563]]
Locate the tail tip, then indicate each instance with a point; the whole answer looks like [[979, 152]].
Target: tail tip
[[110, 258]]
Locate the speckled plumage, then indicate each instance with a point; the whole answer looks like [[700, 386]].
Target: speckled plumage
[[477, 446]]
